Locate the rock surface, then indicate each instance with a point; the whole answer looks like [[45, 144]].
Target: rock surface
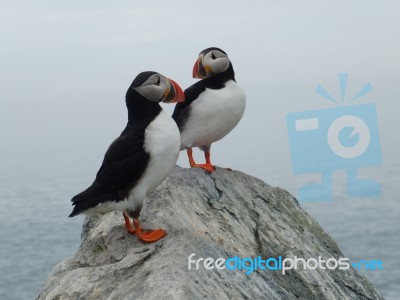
[[223, 214]]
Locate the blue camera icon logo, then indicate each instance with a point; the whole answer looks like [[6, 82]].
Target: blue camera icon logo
[[326, 140]]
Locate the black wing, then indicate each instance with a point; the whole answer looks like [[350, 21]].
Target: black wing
[[123, 164], [182, 109]]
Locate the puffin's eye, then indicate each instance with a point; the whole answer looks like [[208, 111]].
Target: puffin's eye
[[213, 56], [158, 81]]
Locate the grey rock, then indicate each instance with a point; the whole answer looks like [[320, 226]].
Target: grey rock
[[224, 214]]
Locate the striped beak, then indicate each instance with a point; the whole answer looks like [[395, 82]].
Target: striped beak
[[198, 70], [175, 93]]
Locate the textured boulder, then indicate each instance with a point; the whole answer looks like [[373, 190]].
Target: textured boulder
[[224, 214]]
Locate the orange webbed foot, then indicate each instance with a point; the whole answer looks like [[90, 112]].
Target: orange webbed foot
[[152, 235], [145, 236], [208, 167], [148, 236]]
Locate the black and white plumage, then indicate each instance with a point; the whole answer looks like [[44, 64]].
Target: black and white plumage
[[213, 106], [141, 157]]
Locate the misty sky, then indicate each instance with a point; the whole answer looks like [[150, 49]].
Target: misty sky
[[65, 68]]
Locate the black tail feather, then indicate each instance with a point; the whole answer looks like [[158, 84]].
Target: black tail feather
[[81, 204]]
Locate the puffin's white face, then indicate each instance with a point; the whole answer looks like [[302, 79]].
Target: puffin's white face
[[156, 88], [210, 63], [215, 62]]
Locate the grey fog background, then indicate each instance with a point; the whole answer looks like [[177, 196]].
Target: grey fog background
[[65, 68]]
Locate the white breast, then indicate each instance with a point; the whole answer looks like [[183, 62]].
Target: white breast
[[162, 140], [213, 115]]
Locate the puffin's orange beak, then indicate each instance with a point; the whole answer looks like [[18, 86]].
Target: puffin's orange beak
[[198, 70], [175, 94]]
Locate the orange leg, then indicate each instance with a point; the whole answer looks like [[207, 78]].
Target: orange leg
[[207, 166], [128, 224], [149, 236], [207, 156], [190, 155]]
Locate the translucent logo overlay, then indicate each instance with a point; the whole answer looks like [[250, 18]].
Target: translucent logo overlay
[[341, 137]]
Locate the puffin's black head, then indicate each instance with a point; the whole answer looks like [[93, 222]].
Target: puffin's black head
[[157, 88], [211, 61]]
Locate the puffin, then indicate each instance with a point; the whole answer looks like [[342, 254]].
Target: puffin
[[213, 106], [140, 158]]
